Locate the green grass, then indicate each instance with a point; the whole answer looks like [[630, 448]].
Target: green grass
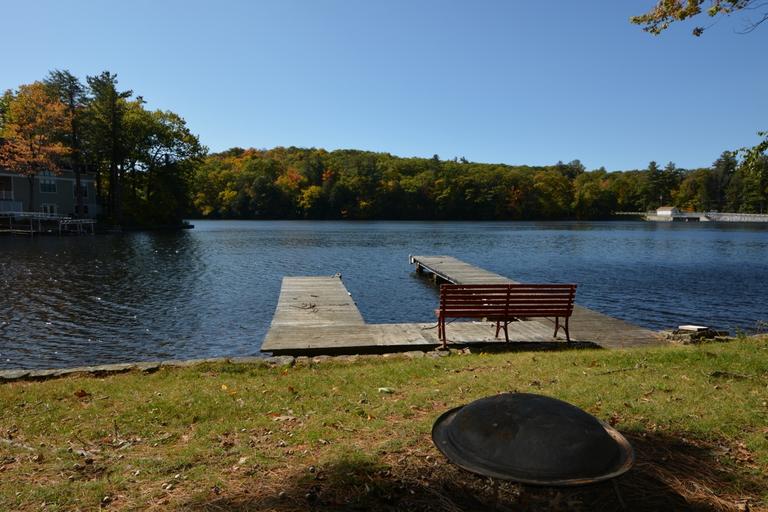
[[235, 436]]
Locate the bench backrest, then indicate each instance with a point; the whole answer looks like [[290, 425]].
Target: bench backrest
[[507, 300]]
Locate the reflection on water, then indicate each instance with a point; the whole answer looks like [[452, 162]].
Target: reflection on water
[[211, 291]]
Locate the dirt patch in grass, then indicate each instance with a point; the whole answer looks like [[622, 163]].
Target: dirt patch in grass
[[670, 474]]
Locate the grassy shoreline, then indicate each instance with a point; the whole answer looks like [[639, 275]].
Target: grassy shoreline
[[245, 437]]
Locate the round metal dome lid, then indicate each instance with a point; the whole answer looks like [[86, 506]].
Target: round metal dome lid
[[532, 439]]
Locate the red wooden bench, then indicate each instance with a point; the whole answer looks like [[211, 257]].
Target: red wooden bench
[[504, 303]]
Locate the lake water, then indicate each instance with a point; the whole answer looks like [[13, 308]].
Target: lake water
[[212, 291]]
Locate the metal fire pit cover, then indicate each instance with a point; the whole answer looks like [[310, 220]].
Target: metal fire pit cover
[[532, 439]]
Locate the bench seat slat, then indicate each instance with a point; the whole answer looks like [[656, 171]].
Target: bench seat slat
[[512, 301], [508, 313]]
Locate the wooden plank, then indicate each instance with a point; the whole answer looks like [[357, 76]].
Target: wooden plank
[[338, 339], [315, 301]]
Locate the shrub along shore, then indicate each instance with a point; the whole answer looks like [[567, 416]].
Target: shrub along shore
[[354, 433]]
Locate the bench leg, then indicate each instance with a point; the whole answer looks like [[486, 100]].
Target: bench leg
[[564, 327], [499, 327], [441, 331], [445, 336]]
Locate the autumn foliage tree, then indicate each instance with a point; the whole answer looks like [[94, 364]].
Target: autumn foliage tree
[[30, 141]]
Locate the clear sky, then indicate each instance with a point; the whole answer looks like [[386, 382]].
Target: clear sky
[[494, 81]]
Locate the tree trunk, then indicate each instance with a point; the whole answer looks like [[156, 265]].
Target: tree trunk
[[31, 178], [76, 164], [150, 183], [114, 177], [78, 193], [99, 188], [113, 190]]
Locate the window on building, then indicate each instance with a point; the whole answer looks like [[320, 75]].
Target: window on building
[[6, 187], [47, 182], [49, 208]]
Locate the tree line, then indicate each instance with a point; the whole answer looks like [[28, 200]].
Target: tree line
[[142, 159], [150, 169], [349, 184]]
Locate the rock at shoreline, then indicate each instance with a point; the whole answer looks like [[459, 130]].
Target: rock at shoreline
[[281, 360], [683, 336]]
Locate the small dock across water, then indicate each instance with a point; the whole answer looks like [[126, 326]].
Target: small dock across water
[[317, 315], [33, 223]]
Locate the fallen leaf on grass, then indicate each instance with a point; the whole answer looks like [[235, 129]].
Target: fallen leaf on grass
[[81, 393]]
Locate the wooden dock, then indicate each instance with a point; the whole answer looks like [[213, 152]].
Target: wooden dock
[[585, 324], [317, 315]]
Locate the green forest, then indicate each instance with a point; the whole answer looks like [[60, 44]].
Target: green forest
[[151, 169], [347, 184]]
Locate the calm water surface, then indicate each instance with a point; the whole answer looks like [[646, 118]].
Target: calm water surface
[[212, 291]]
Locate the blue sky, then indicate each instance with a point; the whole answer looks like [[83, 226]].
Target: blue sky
[[494, 81]]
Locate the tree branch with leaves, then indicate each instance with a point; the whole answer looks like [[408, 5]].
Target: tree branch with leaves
[[666, 12]]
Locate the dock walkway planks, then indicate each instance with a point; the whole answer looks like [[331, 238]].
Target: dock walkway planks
[[315, 301], [455, 271], [316, 315], [585, 324]]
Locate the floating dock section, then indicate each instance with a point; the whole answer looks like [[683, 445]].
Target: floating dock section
[[317, 315], [585, 324]]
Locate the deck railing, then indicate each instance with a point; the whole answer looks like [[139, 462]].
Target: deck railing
[[33, 215]]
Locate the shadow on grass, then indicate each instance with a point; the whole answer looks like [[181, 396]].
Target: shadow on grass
[[531, 346], [670, 474]]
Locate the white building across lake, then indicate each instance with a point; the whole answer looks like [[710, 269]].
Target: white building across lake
[[667, 211]]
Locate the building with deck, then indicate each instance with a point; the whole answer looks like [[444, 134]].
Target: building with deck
[[52, 194], [667, 211], [672, 214]]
